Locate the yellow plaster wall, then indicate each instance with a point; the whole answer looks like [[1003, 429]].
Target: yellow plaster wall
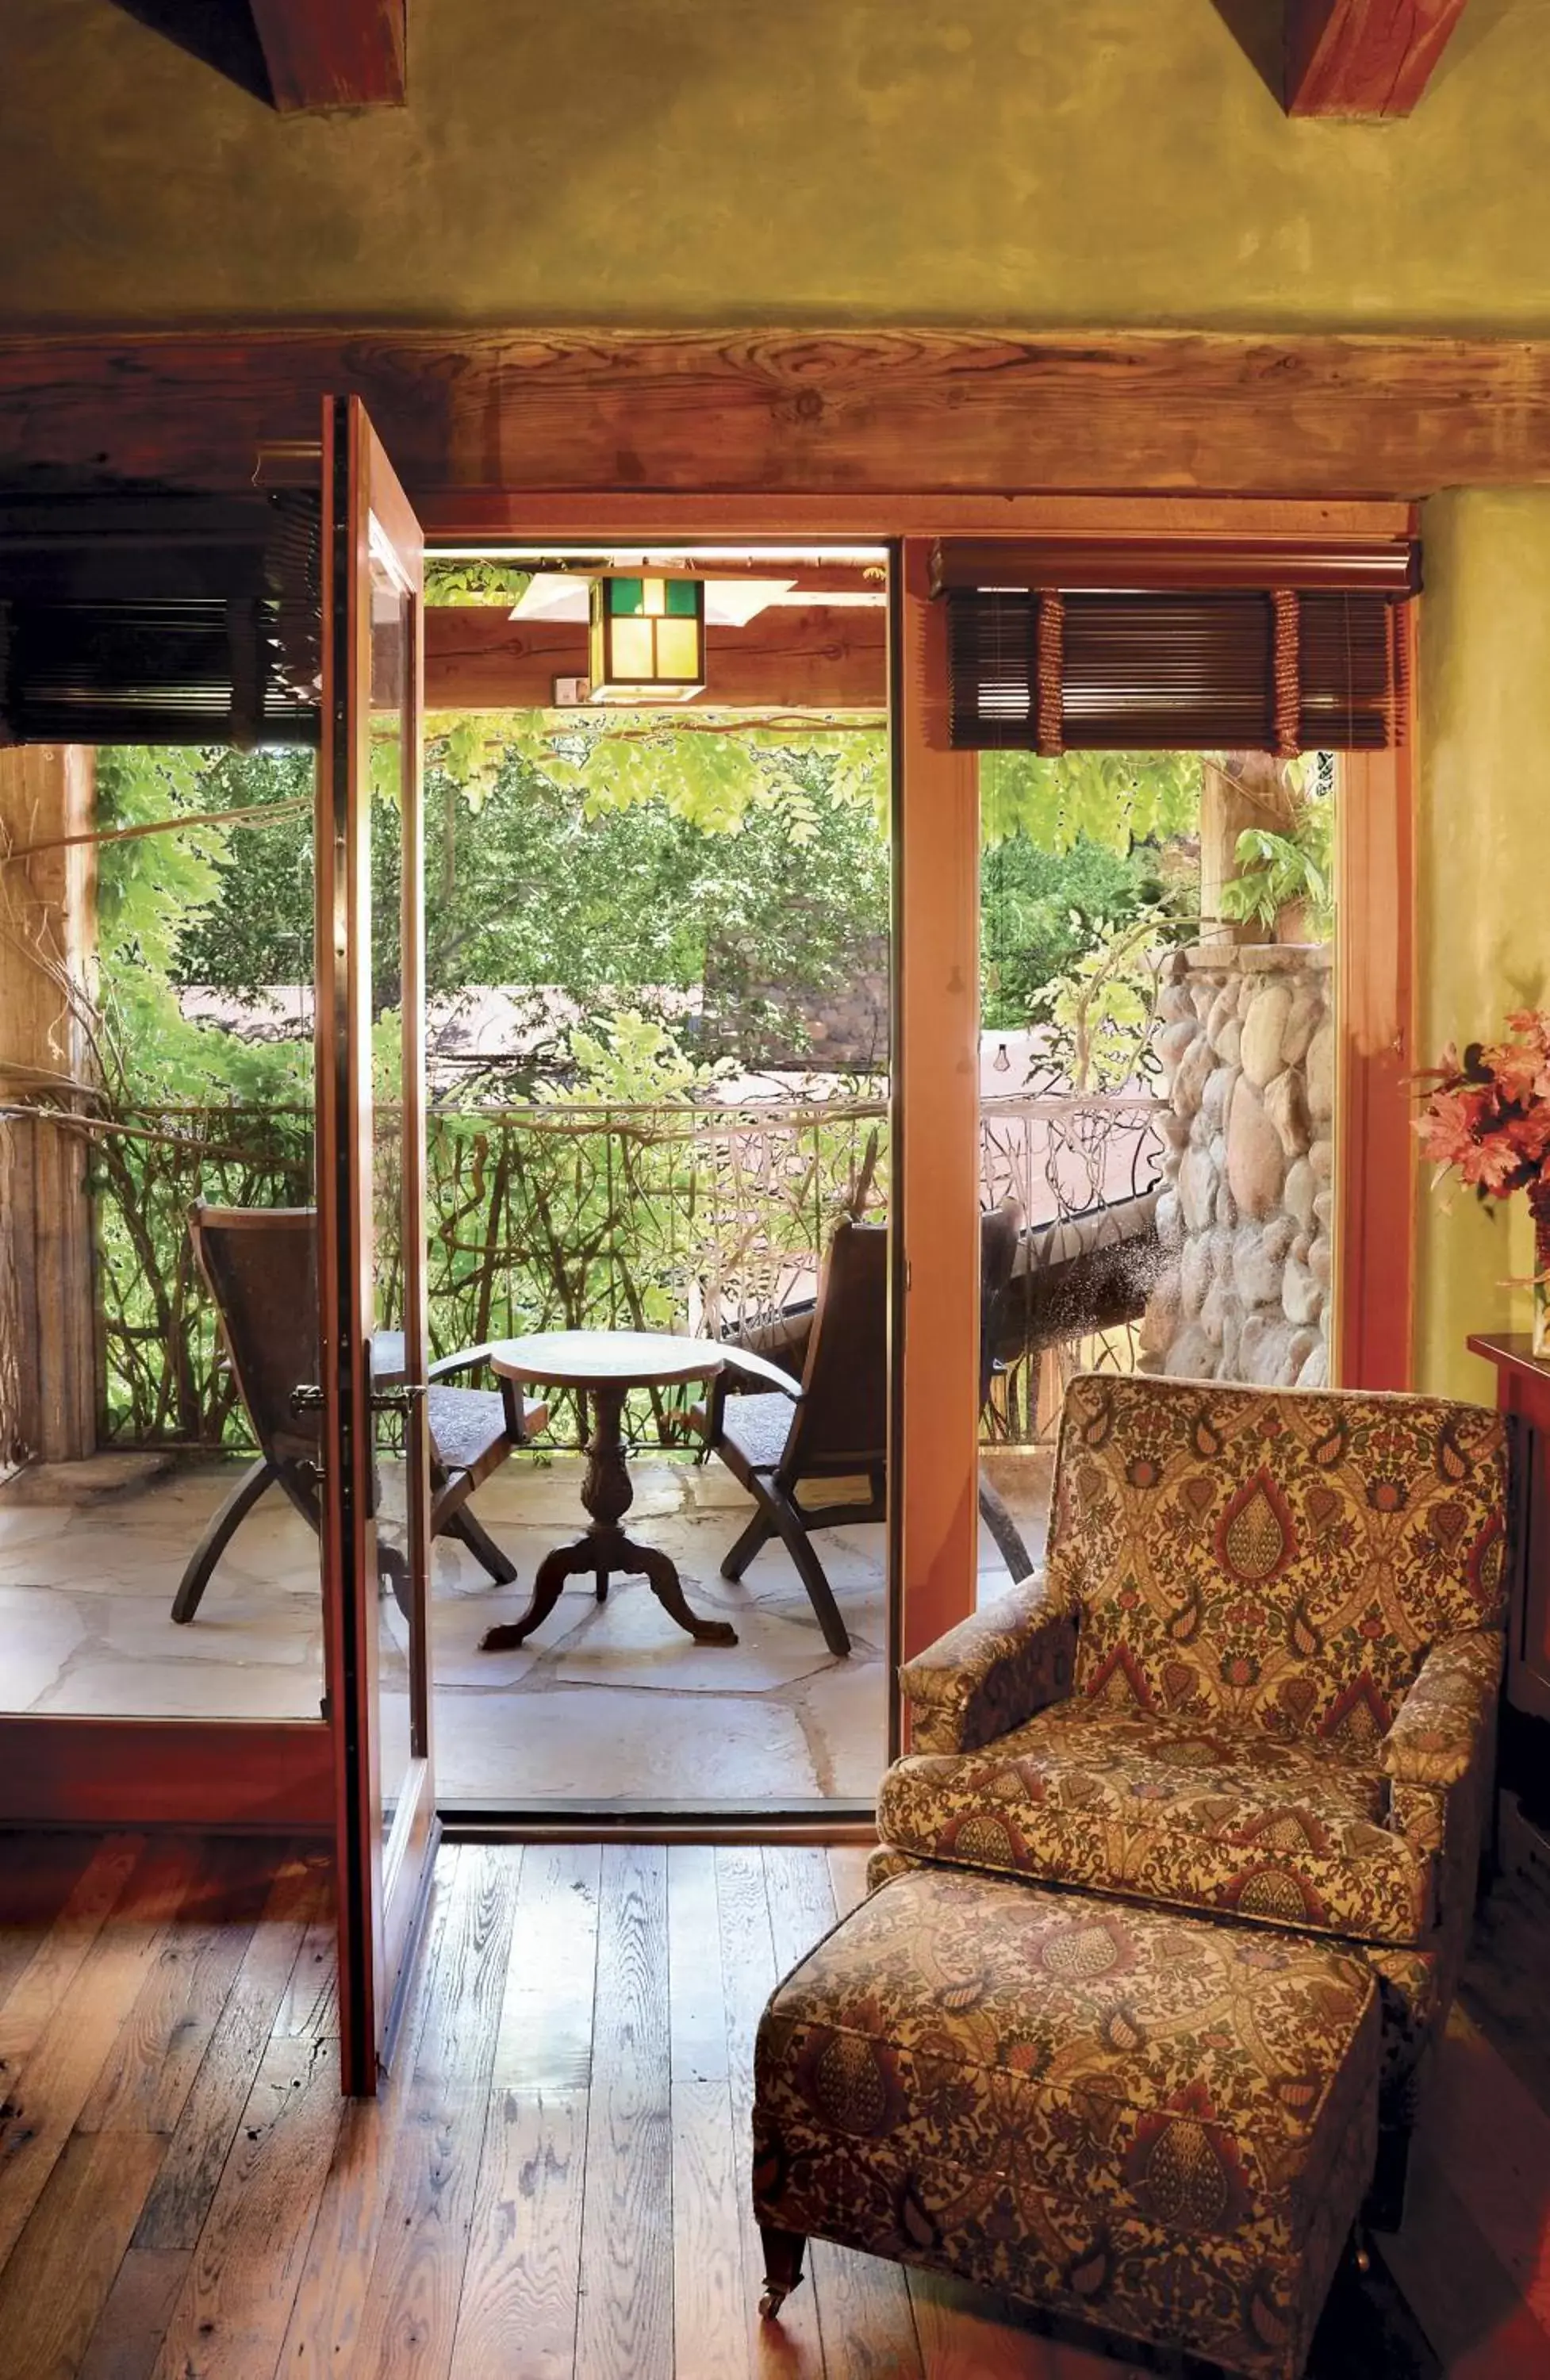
[[1482, 871], [1006, 163]]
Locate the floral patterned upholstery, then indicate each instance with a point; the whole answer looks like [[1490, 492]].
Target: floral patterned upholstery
[[1165, 1809], [1280, 1560], [1259, 1676], [1160, 2125]]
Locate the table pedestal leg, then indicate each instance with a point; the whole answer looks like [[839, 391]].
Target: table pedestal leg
[[607, 1495]]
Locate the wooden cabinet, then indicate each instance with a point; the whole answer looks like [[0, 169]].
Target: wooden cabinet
[[1523, 1391]]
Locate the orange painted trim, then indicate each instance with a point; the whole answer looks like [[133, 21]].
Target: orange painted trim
[[936, 1159], [1375, 1149], [212, 1776]]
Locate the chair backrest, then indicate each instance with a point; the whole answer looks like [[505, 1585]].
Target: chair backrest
[[260, 1265], [842, 1422], [844, 1413], [1282, 1557]]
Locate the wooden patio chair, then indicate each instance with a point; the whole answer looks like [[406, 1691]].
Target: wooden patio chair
[[825, 1415], [832, 1424], [261, 1266]]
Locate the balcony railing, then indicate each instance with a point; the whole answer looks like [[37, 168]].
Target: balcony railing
[[558, 1217]]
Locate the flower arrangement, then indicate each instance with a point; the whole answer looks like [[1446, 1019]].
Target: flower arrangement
[[1487, 1119]]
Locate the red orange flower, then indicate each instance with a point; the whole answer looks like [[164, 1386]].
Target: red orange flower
[[1488, 1118]]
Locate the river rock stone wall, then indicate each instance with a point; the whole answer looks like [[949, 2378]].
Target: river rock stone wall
[[1248, 1048]]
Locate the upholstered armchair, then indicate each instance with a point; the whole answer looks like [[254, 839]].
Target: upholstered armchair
[[1257, 1677]]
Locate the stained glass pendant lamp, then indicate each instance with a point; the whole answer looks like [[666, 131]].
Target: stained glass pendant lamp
[[647, 639]]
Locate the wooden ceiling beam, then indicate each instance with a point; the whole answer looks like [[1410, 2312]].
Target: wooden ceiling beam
[[477, 659], [1363, 57], [332, 53], [804, 415]]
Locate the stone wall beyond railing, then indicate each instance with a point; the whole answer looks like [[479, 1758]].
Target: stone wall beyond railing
[[1248, 1050]]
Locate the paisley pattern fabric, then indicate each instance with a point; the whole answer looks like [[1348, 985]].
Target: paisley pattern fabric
[[1281, 1559], [1160, 2126], [993, 1671], [1434, 1738], [1161, 1809]]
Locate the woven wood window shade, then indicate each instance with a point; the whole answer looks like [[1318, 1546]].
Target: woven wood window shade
[[1225, 648]]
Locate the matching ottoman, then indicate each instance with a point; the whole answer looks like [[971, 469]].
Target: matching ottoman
[[1161, 2125]]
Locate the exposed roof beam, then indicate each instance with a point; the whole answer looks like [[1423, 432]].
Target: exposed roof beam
[[1363, 57], [332, 53], [476, 658]]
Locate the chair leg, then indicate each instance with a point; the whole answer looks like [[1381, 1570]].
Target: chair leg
[[462, 1524], [782, 2266], [1003, 1528], [213, 1545], [820, 1594], [759, 1531]]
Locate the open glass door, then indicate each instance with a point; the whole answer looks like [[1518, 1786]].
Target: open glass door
[[370, 1225]]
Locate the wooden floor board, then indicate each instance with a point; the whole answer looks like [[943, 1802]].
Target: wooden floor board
[[133, 2323], [545, 2037], [177, 2205], [46, 2089], [553, 2184], [45, 1939], [522, 2278], [233, 2309], [409, 2319], [57, 2280], [793, 2346], [326, 2317], [143, 2084], [625, 2330]]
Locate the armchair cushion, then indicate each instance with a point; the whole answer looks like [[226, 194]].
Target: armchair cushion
[[993, 1671], [1198, 1816], [1278, 1561]]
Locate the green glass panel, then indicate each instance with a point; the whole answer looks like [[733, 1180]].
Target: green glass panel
[[626, 595], [682, 597]]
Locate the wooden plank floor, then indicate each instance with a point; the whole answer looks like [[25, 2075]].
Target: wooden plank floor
[[552, 2186]]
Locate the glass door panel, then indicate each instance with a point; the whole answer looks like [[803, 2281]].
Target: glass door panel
[[370, 1202]]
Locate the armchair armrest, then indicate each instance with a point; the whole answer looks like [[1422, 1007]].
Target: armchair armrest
[[992, 1672], [1443, 1724], [523, 1421], [468, 1359], [753, 1367]]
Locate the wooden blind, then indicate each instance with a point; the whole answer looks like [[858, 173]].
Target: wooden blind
[[176, 620], [1184, 661]]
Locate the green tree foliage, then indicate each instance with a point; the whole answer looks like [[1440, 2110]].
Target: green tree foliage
[[1043, 912], [1114, 799], [1295, 870], [155, 890], [563, 874]]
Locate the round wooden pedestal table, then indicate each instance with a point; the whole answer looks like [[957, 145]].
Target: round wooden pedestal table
[[605, 1366]]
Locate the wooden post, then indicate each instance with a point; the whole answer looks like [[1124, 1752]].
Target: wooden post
[[48, 1365], [1242, 789], [937, 1166]]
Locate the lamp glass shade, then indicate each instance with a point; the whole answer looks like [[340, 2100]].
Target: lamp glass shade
[[647, 639]]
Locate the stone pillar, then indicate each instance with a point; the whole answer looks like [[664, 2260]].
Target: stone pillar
[[1248, 1049], [48, 1364]]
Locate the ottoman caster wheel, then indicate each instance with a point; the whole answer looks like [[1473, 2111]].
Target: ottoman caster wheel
[[772, 2302]]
